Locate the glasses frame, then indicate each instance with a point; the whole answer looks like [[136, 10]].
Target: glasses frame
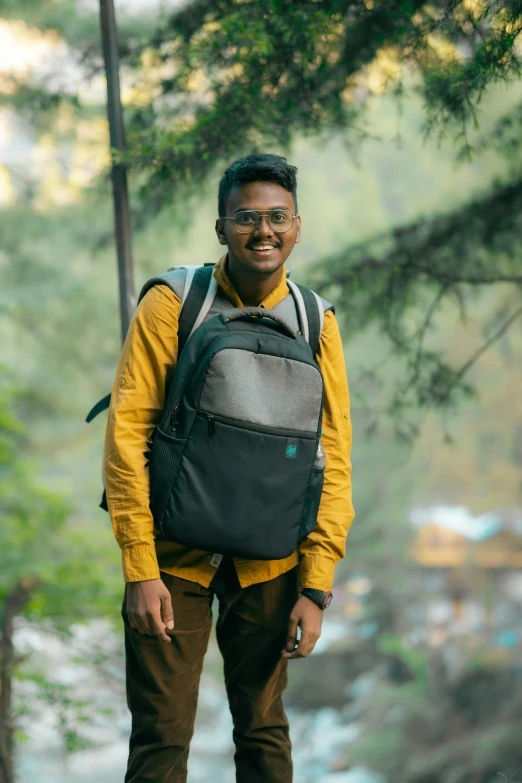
[[259, 216]]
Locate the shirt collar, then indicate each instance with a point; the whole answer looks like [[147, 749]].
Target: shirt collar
[[225, 283]]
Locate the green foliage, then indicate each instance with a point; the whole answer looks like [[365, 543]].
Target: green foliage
[[434, 729], [39, 545], [72, 714], [30, 515], [485, 39], [202, 102], [402, 281], [392, 644], [51, 573], [313, 60], [213, 80]]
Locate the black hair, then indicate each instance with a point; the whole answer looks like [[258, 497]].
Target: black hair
[[257, 168]]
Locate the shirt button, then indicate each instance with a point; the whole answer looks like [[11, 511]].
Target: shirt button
[[121, 383]]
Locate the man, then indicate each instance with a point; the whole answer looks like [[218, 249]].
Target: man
[[169, 587]]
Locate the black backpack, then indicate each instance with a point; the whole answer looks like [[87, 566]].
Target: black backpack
[[236, 466]]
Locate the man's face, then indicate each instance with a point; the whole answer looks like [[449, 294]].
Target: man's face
[[264, 250]]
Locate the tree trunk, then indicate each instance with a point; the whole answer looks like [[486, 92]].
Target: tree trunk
[[16, 600]]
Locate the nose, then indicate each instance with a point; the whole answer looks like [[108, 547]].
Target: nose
[[264, 228]]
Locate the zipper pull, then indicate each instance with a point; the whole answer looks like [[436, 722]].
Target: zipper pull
[[211, 425], [174, 418]]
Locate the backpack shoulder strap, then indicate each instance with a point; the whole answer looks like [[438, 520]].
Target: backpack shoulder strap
[[177, 278], [100, 406], [200, 291], [311, 309]]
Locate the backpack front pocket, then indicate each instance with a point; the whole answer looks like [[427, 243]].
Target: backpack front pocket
[[311, 503], [240, 488], [164, 464]]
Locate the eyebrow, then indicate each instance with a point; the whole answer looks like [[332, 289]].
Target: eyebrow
[[253, 209]]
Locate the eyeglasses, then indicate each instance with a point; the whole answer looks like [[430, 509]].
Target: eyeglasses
[[248, 220]]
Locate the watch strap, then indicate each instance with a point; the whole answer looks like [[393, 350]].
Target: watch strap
[[321, 598]]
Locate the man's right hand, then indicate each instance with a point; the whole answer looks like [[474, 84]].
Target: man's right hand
[[149, 608]]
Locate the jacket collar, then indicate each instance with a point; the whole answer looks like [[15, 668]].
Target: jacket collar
[[225, 283]]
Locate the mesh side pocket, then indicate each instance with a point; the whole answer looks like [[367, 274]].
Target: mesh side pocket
[[165, 460], [312, 499]]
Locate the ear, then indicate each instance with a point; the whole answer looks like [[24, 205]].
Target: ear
[[298, 233], [220, 232]]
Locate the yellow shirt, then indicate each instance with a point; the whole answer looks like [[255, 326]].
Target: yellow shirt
[[147, 361]]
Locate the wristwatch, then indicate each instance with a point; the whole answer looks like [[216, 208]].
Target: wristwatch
[[322, 599]]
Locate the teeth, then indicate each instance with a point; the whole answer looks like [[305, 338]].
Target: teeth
[[263, 247]]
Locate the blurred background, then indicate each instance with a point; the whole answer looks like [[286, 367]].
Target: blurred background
[[404, 119]]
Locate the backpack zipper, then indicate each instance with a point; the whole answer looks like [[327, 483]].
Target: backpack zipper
[[174, 418], [244, 425]]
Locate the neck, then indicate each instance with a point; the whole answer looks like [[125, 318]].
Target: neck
[[251, 288]]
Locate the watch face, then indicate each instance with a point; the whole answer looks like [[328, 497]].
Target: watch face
[[328, 600]]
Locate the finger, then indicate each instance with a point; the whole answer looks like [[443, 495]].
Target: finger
[[301, 651], [149, 623], [158, 628], [141, 625], [167, 613], [292, 634], [290, 656], [306, 644], [136, 623]]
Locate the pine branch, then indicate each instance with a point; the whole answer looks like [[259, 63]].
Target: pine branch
[[489, 342]]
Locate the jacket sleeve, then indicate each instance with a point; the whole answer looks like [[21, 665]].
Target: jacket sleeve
[[147, 362], [322, 549]]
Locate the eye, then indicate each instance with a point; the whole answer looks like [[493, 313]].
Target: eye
[[245, 218], [279, 217]]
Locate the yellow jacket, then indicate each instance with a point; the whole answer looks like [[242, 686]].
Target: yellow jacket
[[148, 359]]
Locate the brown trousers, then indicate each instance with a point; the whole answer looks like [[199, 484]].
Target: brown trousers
[[163, 679]]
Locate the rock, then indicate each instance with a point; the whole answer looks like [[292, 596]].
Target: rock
[[322, 680]]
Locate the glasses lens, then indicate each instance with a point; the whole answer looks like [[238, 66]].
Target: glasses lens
[[281, 220], [245, 222]]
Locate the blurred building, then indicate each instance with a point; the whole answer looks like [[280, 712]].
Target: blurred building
[[470, 574], [450, 537]]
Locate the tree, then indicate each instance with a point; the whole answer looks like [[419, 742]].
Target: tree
[[41, 576], [229, 77], [431, 726], [213, 80]]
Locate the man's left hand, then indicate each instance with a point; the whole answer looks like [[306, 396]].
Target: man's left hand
[[309, 618]]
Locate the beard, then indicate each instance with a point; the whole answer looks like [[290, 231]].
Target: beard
[[267, 271]]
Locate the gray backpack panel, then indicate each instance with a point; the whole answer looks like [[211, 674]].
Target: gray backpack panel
[[262, 389]]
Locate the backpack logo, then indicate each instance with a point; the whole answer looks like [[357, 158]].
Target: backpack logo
[[291, 450]]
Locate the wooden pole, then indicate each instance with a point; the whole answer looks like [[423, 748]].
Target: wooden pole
[[122, 223]]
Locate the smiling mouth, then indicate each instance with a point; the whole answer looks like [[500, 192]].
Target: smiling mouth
[[263, 248]]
